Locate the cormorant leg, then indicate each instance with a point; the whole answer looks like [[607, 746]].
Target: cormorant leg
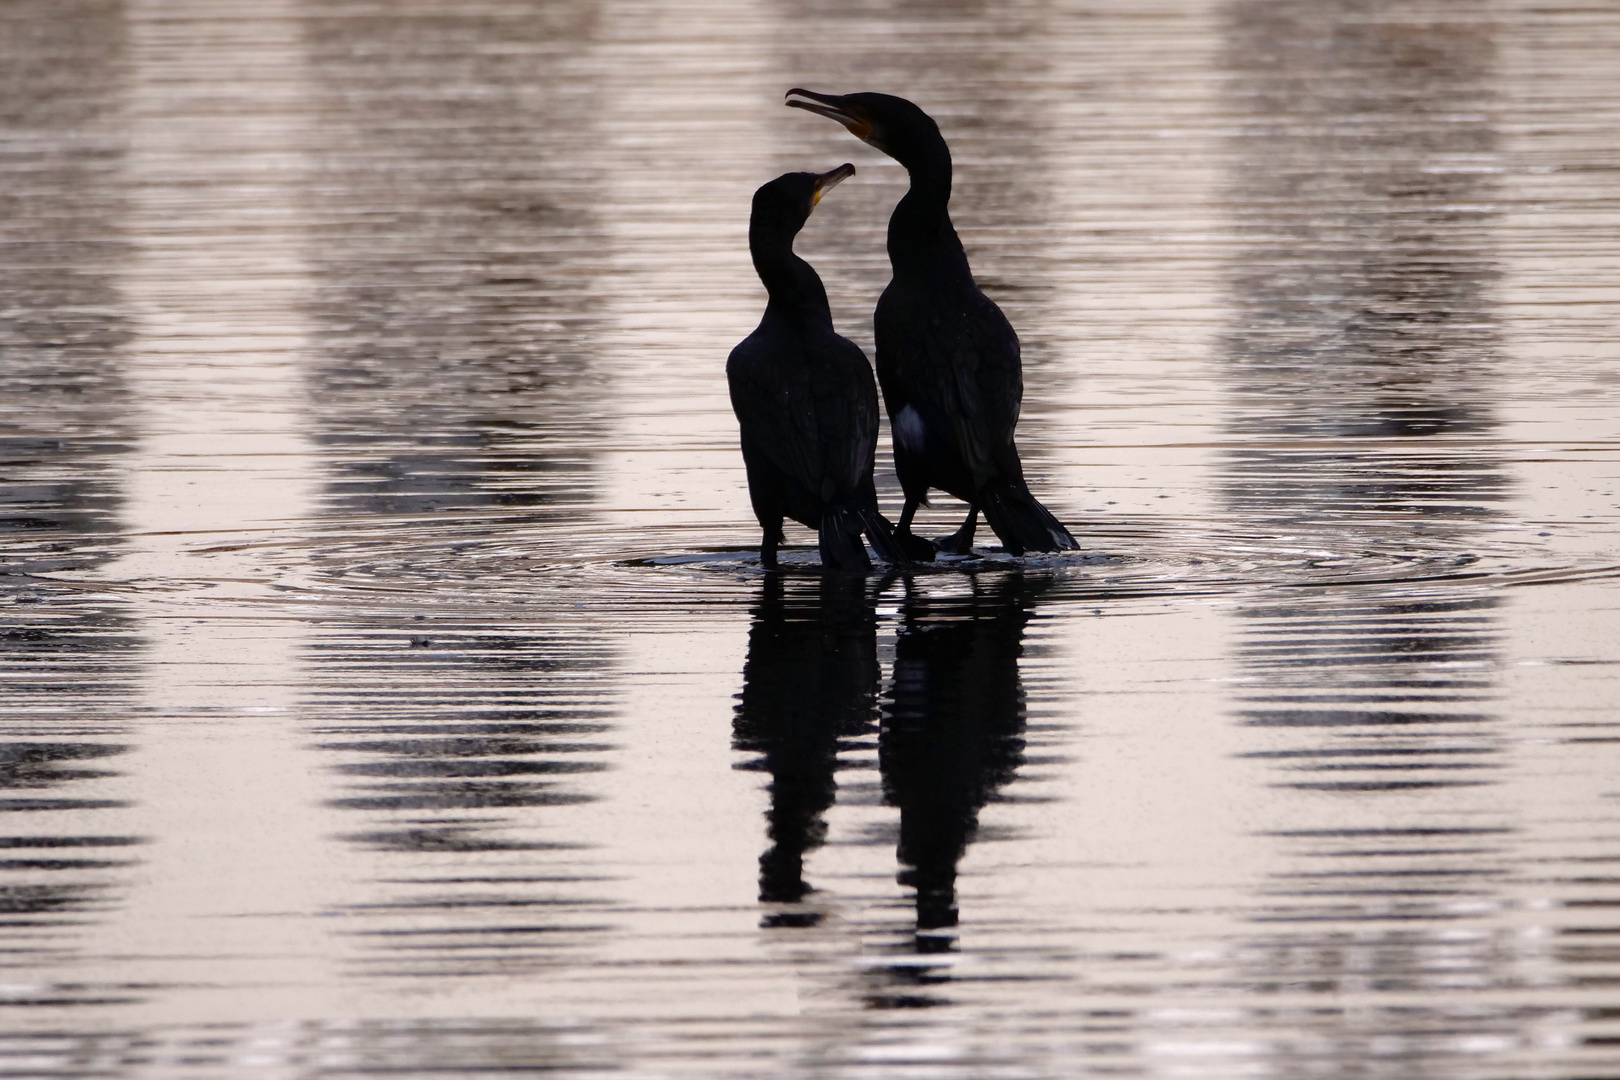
[[767, 547], [908, 512], [961, 541], [915, 547]]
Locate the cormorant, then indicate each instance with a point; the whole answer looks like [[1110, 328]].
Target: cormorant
[[946, 356], [804, 396]]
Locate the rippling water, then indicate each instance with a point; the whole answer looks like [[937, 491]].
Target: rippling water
[[390, 685]]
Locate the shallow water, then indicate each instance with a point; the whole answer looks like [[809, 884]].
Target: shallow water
[[390, 684]]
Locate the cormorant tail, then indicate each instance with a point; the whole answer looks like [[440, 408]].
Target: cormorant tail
[[881, 533], [840, 536], [1022, 523]]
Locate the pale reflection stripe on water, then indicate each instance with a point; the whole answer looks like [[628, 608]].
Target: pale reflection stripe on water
[[216, 284]]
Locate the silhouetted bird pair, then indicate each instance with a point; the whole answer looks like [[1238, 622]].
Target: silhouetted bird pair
[[947, 360]]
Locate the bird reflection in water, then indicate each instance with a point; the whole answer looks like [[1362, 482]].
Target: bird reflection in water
[[811, 680], [950, 730]]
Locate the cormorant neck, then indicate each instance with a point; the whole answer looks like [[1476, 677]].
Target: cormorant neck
[[921, 237], [794, 286], [929, 164]]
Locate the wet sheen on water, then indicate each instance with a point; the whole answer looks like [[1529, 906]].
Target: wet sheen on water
[[388, 683]]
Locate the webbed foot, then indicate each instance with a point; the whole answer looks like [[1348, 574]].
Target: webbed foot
[[917, 548], [960, 542]]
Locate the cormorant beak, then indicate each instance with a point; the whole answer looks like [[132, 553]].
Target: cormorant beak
[[831, 106], [829, 180]]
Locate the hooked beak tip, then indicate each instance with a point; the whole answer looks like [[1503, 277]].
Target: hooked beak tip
[[831, 179], [799, 98], [831, 106]]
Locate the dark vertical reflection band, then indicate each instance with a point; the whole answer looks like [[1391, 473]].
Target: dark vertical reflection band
[[1361, 368], [68, 660], [455, 397]]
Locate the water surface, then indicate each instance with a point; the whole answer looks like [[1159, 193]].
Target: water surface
[[390, 684]]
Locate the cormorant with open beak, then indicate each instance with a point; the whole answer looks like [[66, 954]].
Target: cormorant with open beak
[[947, 358], [804, 396]]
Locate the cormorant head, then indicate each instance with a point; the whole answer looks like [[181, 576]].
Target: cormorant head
[[892, 124], [790, 197]]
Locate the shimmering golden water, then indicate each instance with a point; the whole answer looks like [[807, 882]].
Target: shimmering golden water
[[388, 685]]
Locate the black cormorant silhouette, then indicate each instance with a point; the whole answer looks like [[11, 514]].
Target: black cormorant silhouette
[[804, 396], [947, 358]]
